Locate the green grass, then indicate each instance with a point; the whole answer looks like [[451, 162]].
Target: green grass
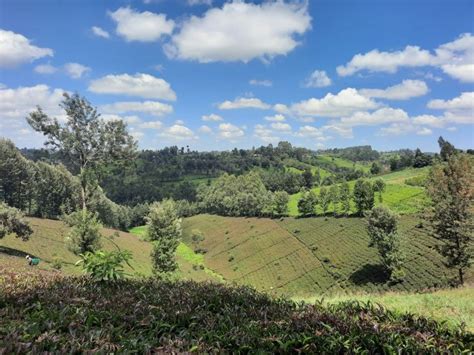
[[454, 306], [398, 196], [343, 163]]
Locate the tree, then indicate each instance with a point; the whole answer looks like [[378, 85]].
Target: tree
[[446, 149], [84, 235], [12, 221], [379, 186], [394, 163], [317, 178], [280, 203], [421, 159], [164, 231], [345, 197], [375, 169], [363, 196], [324, 199], [307, 203], [85, 139], [450, 187], [308, 178], [382, 230], [334, 197]]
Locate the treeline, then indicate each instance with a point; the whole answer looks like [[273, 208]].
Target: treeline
[[50, 191], [358, 153]]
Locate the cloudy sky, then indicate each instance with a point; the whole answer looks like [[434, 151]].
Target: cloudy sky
[[218, 74]]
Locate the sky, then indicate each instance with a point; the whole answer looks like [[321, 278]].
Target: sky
[[221, 74]]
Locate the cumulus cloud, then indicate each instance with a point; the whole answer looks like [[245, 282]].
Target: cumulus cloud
[[178, 132], [127, 119], [241, 31], [403, 91], [381, 116], [317, 79], [141, 85], [265, 134], [281, 127], [16, 49], [99, 32], [154, 108], [212, 117], [397, 129], [205, 129], [199, 2], [244, 103], [45, 69], [343, 103], [463, 102], [76, 70], [230, 132], [141, 26], [455, 58], [151, 125], [275, 118], [266, 83]]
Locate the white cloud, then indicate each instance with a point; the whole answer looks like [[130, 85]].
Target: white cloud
[[265, 134], [266, 83], [244, 103], [429, 120], [463, 102], [455, 58], [282, 127], [151, 125], [397, 129], [230, 132], [126, 119], [212, 117], [342, 130], [154, 108], [313, 132], [381, 116], [16, 49], [282, 109], [141, 85], [99, 32], [344, 103], [76, 70], [199, 2], [403, 91], [45, 69], [241, 31], [205, 129], [275, 118], [424, 132], [318, 79], [141, 26], [179, 132]]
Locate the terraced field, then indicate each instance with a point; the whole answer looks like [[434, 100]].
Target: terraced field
[[310, 256], [398, 196], [47, 243]]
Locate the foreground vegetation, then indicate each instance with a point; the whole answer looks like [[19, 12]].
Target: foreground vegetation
[[48, 312]]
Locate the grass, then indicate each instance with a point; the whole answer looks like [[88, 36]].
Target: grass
[[47, 243], [453, 306], [343, 163], [398, 196], [46, 312]]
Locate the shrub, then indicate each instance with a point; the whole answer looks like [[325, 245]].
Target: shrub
[[105, 266], [84, 235], [12, 221]]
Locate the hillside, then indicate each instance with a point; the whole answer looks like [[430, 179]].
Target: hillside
[[47, 243], [398, 196]]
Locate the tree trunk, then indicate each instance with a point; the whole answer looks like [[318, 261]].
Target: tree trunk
[[461, 276]]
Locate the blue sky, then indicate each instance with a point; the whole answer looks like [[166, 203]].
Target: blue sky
[[221, 74]]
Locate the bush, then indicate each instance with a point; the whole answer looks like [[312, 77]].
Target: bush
[[105, 266], [12, 221], [84, 235]]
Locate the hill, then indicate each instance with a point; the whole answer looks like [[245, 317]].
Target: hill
[[75, 315], [47, 243], [399, 196]]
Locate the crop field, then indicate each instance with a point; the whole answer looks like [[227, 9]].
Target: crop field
[[298, 167], [308, 256], [398, 196], [47, 243], [344, 163]]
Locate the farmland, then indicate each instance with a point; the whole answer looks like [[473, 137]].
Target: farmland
[[398, 196]]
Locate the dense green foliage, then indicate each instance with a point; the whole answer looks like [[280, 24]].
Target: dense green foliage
[[382, 226], [84, 235], [363, 196], [451, 188], [164, 231], [75, 315], [12, 221], [104, 266]]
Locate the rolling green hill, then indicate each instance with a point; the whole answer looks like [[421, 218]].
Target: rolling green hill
[[398, 196]]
